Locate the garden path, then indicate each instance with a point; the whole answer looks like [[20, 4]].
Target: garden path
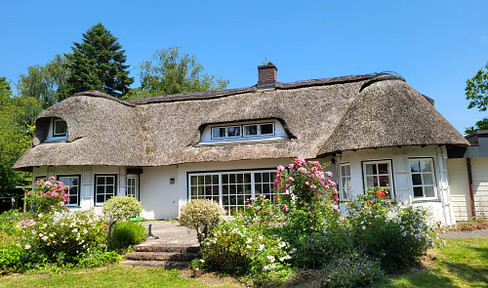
[[466, 234], [171, 232]]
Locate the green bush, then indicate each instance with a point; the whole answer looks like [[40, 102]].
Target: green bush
[[126, 234], [120, 208], [201, 215]]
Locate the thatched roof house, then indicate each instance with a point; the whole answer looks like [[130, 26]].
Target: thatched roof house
[[320, 117]]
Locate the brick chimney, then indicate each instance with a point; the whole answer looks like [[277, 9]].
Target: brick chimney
[[267, 76]]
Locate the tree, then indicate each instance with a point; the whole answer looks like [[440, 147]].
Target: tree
[[98, 64], [480, 125], [477, 90], [477, 95], [13, 139], [172, 73]]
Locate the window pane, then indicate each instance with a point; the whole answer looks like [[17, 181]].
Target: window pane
[[215, 179], [218, 132], [426, 166], [383, 168], [100, 199], [429, 191], [208, 179], [193, 180], [371, 181], [417, 192], [247, 178], [251, 130], [110, 180], [427, 178], [240, 178], [200, 180], [257, 189], [371, 169], [233, 131], [109, 189], [266, 177], [193, 191], [100, 190], [267, 129], [416, 179], [100, 180], [414, 166], [384, 181], [257, 177], [200, 190], [59, 128]]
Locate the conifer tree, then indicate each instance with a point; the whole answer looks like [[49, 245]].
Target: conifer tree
[[98, 64]]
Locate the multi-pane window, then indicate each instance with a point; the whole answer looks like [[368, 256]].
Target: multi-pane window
[[132, 187], [423, 184], [248, 130], [59, 128], [378, 174], [345, 181], [105, 188], [231, 189], [74, 188]]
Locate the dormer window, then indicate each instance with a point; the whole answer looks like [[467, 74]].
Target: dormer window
[[244, 131], [59, 128]]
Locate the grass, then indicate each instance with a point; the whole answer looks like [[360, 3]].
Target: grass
[[111, 276], [460, 263]]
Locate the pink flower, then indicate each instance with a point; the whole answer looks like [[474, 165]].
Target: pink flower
[[302, 170], [285, 207], [52, 178], [281, 168], [291, 179], [47, 184], [257, 208], [313, 186], [307, 183], [329, 174], [336, 208]]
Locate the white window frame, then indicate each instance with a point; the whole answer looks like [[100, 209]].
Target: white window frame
[[227, 132], [78, 193], [113, 194], [389, 174], [220, 185], [422, 173], [58, 135], [344, 189], [132, 190], [242, 129], [258, 130]]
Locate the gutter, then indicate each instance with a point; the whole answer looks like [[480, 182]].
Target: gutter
[[470, 183]]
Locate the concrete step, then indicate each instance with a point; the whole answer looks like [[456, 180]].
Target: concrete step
[[161, 256], [151, 247], [158, 264]]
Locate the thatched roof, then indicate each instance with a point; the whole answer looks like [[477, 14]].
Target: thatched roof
[[321, 116]]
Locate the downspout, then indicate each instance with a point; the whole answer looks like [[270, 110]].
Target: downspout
[[470, 183]]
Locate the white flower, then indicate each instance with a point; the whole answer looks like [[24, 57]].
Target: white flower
[[271, 258], [44, 238], [249, 240], [261, 247], [27, 247], [260, 237], [248, 247], [364, 227], [282, 244]]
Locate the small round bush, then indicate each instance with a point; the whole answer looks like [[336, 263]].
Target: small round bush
[[201, 215], [126, 234], [120, 208]]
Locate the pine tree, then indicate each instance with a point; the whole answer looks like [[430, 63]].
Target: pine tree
[[98, 64]]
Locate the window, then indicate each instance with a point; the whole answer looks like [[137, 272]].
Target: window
[[345, 181], [378, 174], [132, 186], [422, 171], [59, 128], [237, 131], [105, 188], [226, 132], [73, 181], [231, 189]]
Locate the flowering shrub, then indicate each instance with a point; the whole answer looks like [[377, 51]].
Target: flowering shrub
[[242, 249], [261, 211], [48, 196], [63, 237], [354, 269], [201, 215], [396, 235]]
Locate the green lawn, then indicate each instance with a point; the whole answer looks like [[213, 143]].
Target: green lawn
[[461, 263], [112, 276]]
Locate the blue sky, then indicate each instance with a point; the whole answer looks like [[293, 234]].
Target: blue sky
[[434, 45]]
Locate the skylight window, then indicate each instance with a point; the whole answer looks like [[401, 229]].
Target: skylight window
[[244, 131], [250, 130]]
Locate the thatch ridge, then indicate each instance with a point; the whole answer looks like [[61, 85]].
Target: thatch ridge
[[93, 93]]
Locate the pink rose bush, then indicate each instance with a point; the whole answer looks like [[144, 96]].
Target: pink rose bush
[[48, 196]]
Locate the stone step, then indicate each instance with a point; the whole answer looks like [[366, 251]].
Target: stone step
[[150, 247], [158, 264], [161, 256]]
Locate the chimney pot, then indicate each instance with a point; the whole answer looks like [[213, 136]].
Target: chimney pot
[[268, 76]]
